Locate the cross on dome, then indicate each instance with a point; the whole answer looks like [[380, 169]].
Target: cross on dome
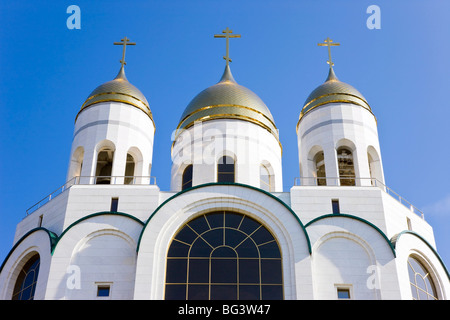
[[125, 42], [328, 43], [227, 36]]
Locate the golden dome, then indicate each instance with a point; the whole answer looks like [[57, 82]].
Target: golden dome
[[118, 90], [228, 100], [331, 91]]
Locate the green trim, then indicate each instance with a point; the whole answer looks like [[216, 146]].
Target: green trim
[[396, 237], [226, 184], [91, 216], [51, 235], [343, 215]]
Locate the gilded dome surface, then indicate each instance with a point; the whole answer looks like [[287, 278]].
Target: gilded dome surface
[[118, 90], [333, 90], [228, 100]]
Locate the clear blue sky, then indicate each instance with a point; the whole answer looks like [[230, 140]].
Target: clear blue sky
[[47, 71]]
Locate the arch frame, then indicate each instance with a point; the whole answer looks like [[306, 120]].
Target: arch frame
[[409, 243], [80, 232], [380, 255], [186, 205], [38, 240]]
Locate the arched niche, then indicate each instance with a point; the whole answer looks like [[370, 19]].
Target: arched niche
[[104, 162]]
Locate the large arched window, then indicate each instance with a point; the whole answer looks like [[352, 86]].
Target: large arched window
[[26, 281], [346, 166], [223, 255], [225, 169], [187, 178], [422, 286], [104, 166]]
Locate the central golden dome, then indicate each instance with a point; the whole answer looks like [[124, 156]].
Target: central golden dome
[[228, 100]]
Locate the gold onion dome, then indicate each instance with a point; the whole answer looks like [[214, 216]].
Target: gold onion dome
[[228, 100], [333, 91], [118, 90]]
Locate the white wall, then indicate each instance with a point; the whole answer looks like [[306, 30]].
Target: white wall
[[204, 143]]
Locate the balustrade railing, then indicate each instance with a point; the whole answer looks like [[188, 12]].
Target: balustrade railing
[[98, 180], [358, 182], [148, 180]]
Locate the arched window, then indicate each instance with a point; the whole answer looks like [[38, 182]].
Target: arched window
[[104, 166], [422, 286], [26, 281], [129, 169], [319, 162], [375, 169], [223, 255], [265, 179], [76, 163], [187, 178], [346, 166], [225, 169]]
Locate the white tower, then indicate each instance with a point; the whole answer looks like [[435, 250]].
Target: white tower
[[227, 134], [113, 135], [337, 136]]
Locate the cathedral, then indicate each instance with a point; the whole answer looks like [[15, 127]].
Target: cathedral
[[226, 229]]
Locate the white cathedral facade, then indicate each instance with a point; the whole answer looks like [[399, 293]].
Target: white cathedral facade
[[226, 229]]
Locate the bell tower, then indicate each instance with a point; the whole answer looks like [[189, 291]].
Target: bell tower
[[114, 132], [337, 135]]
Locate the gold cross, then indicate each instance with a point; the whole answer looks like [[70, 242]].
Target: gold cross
[[329, 43], [125, 42], [228, 35]]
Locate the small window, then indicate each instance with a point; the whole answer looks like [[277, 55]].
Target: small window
[[265, 179], [187, 178], [103, 290], [343, 293], [114, 204], [408, 223], [225, 170], [335, 206]]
